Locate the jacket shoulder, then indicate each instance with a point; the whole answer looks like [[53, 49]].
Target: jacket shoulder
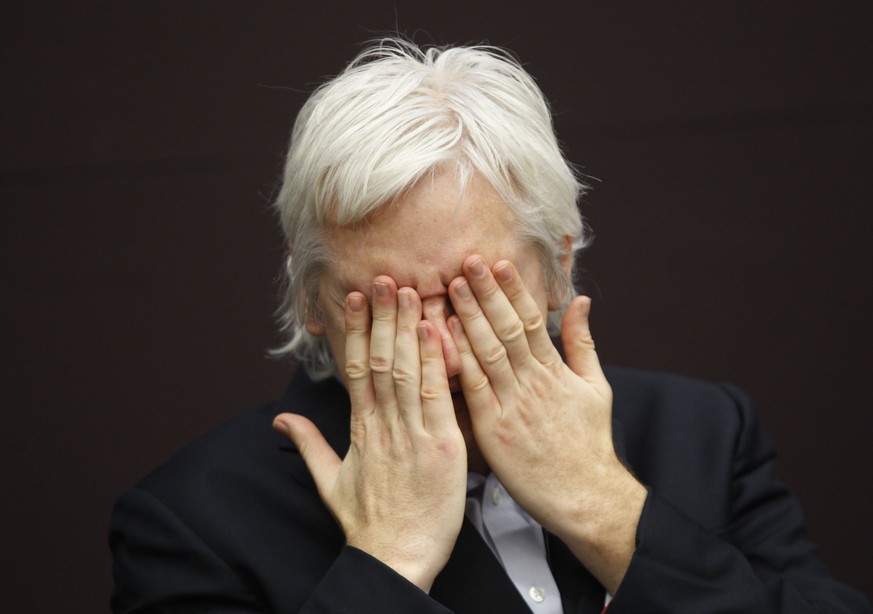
[[646, 399], [245, 441], [688, 439]]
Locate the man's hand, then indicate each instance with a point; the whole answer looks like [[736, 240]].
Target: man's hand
[[399, 493], [545, 427]]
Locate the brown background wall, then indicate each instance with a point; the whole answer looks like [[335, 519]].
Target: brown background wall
[[731, 146]]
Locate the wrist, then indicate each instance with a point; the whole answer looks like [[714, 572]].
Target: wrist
[[416, 564], [601, 524]]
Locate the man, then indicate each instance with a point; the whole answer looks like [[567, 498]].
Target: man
[[445, 453]]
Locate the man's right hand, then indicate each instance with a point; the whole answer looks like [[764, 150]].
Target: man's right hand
[[399, 493]]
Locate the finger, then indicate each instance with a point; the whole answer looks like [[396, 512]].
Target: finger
[[407, 359], [484, 344], [474, 382], [579, 344], [321, 460], [438, 411], [357, 358], [382, 336], [436, 310], [498, 310], [535, 324]]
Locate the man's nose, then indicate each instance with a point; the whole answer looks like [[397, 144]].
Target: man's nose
[[436, 310]]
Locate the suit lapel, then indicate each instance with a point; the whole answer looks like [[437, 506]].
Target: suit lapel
[[474, 580], [581, 593]]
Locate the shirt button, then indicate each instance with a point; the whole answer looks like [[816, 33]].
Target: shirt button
[[495, 495], [537, 593]]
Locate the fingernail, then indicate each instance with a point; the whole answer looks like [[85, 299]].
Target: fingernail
[[280, 426], [457, 327], [381, 289], [422, 331], [403, 299], [463, 290], [356, 302], [477, 268], [504, 273]]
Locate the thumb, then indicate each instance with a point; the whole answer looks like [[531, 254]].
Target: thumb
[[579, 344], [321, 460]]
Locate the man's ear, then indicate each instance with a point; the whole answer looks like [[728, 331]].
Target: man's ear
[[314, 323], [566, 257], [314, 327], [558, 296]]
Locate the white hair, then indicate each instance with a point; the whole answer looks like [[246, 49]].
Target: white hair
[[395, 114]]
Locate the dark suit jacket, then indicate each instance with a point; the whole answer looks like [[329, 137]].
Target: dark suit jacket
[[234, 523]]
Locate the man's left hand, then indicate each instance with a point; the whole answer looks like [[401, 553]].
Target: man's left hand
[[545, 426]]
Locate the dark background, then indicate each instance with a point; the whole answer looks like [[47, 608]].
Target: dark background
[[141, 142]]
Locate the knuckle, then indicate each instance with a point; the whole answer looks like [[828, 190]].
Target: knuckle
[[515, 291], [554, 363], [380, 364], [406, 327], [539, 387], [534, 323], [383, 315], [586, 342], [448, 448], [495, 356], [489, 290], [402, 375], [479, 384], [356, 328], [466, 353], [475, 319], [513, 332], [431, 393], [356, 369], [430, 364]]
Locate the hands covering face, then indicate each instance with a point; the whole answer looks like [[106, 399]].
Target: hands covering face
[[399, 493], [543, 426]]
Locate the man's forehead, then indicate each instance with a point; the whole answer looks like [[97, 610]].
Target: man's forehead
[[425, 233], [418, 264], [405, 268]]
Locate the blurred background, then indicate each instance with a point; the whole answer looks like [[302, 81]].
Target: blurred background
[[729, 146]]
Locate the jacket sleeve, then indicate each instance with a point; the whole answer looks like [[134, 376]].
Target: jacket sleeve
[[761, 562], [357, 582], [161, 565]]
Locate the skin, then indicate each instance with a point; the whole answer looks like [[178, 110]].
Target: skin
[[435, 294]]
